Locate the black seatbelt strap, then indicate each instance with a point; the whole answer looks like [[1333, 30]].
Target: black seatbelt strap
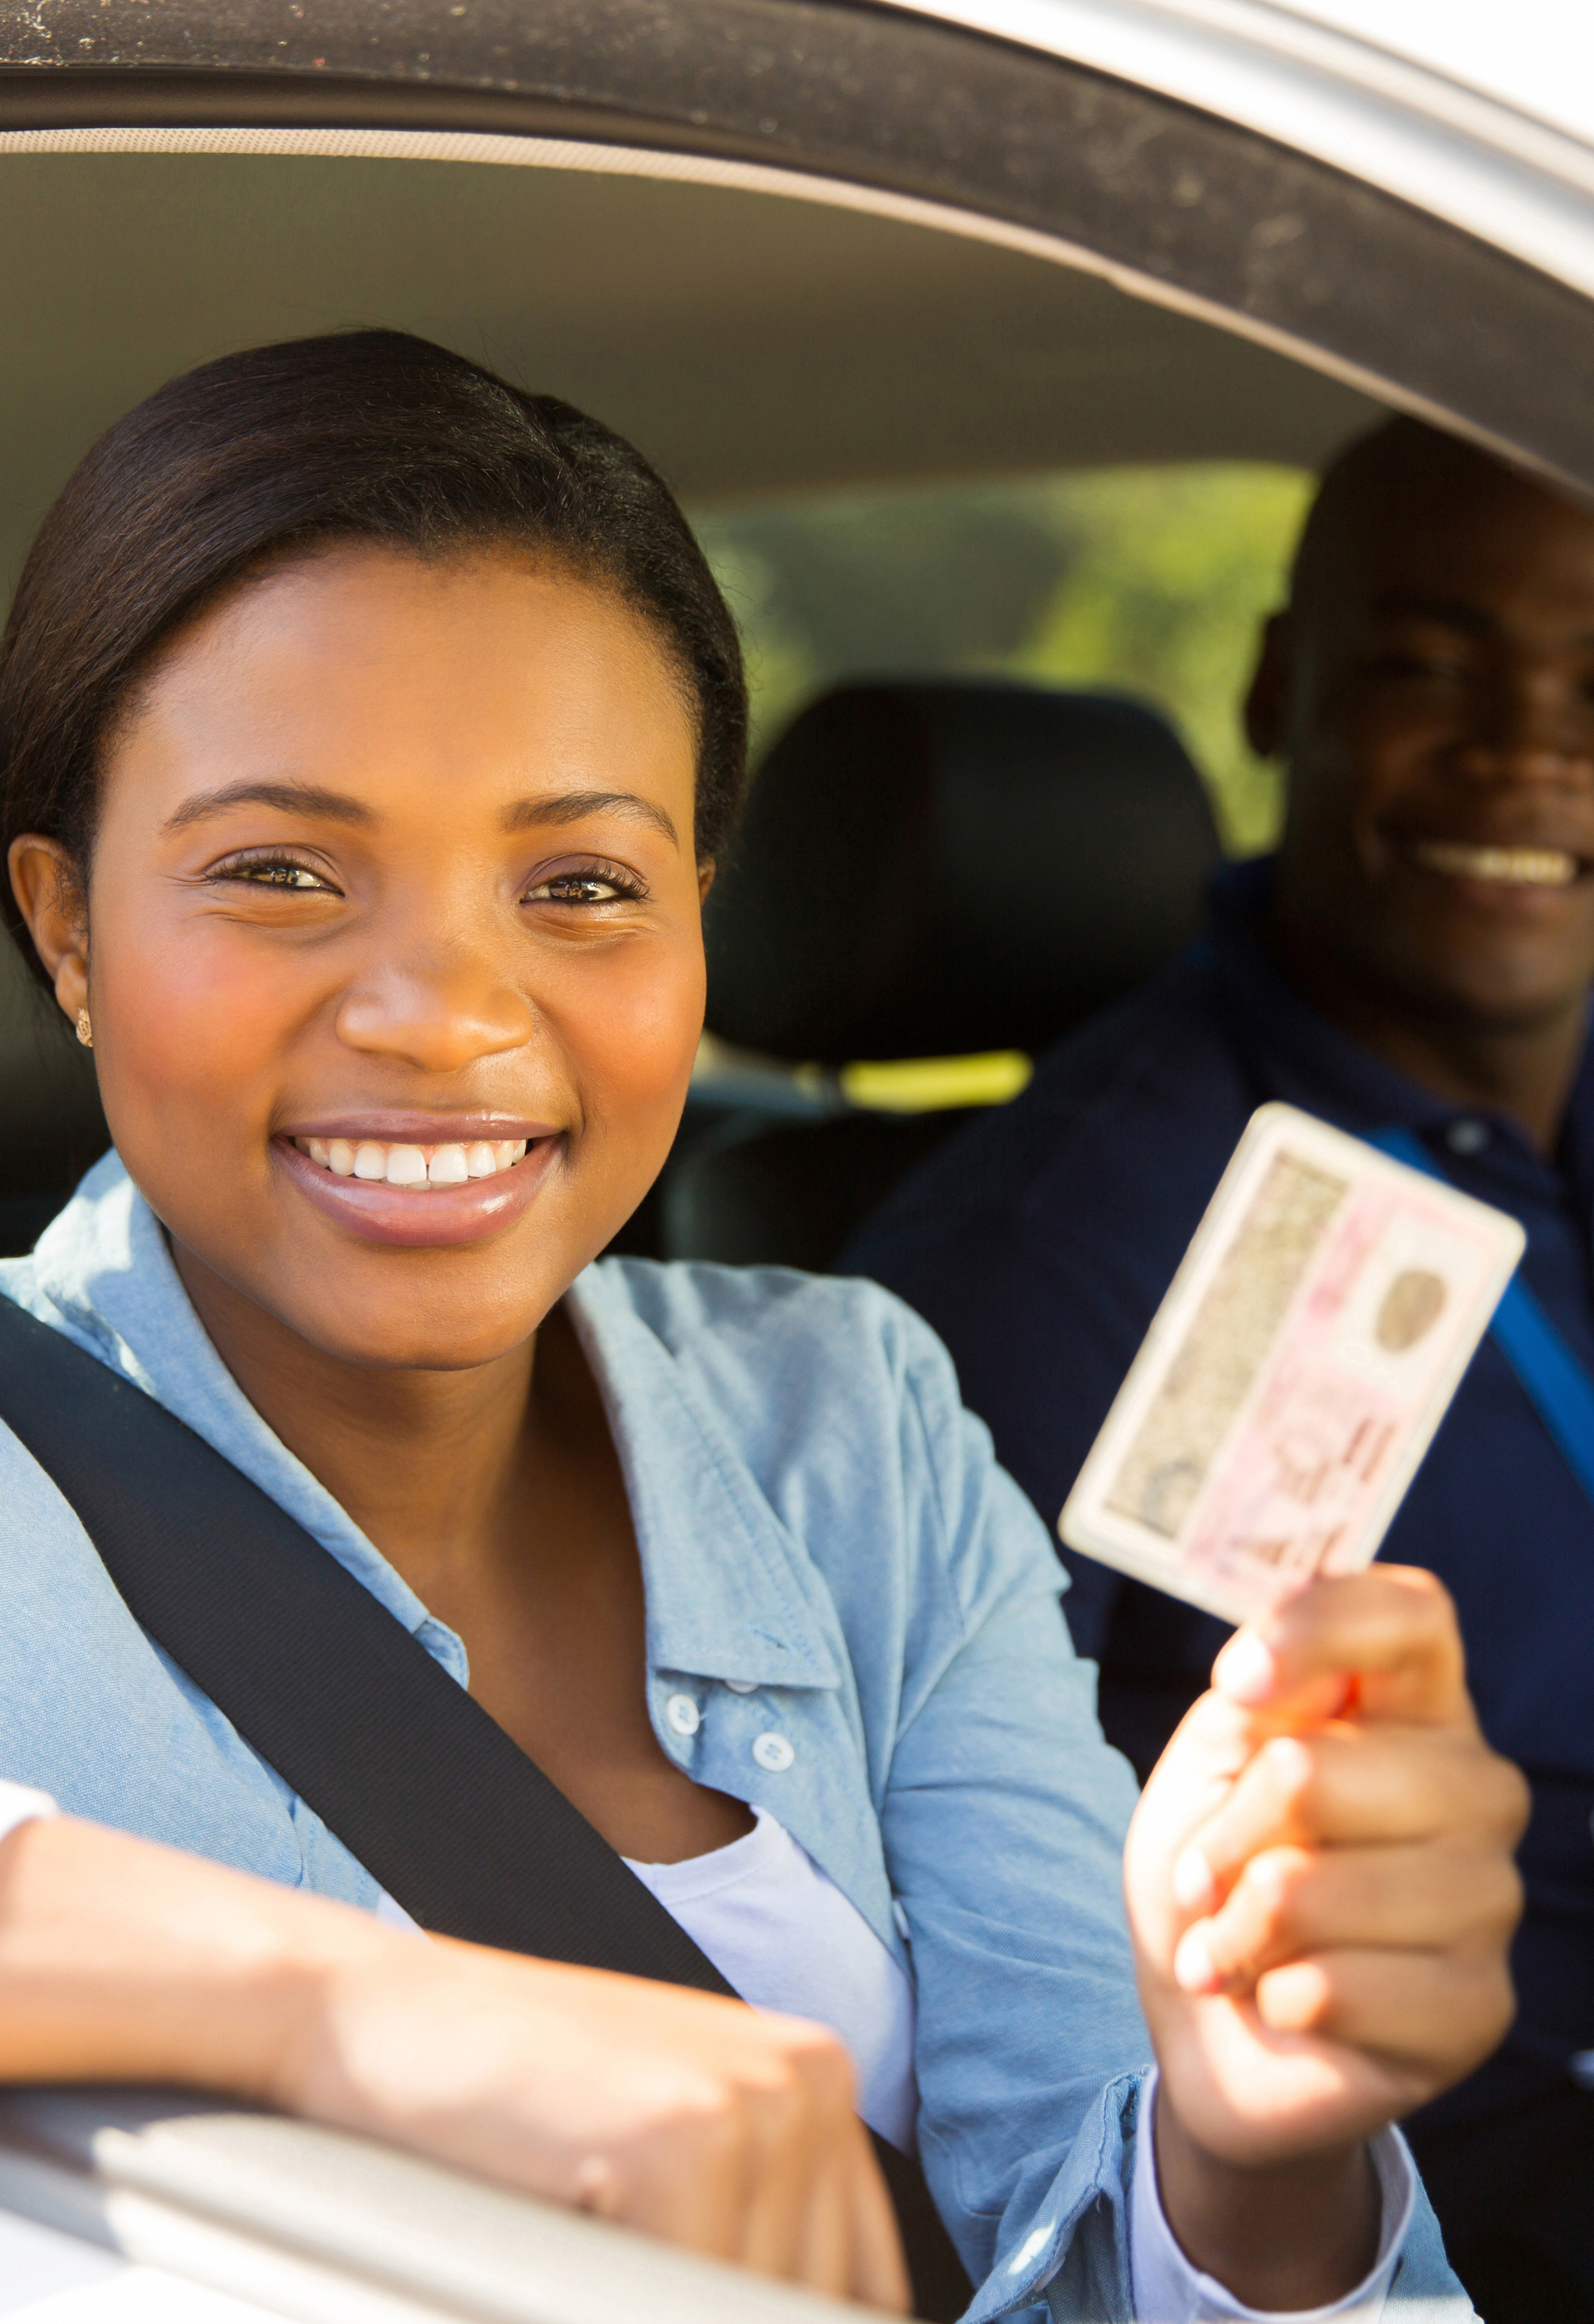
[[419, 1783]]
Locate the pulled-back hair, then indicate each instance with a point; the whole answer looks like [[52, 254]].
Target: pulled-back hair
[[355, 435]]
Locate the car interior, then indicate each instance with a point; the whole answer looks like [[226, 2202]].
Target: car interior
[[763, 350]]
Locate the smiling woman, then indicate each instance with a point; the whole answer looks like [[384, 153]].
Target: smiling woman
[[345, 697], [367, 733]]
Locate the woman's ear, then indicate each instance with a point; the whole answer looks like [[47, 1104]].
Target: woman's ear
[[705, 871], [50, 896]]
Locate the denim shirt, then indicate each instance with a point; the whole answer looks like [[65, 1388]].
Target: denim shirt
[[831, 1556]]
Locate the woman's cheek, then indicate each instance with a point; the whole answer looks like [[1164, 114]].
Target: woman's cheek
[[631, 1025], [185, 1021]]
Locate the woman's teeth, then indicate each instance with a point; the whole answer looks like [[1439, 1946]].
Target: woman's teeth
[[418, 1166], [1524, 867]]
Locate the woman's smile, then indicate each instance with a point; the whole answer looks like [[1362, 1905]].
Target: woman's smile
[[445, 1191]]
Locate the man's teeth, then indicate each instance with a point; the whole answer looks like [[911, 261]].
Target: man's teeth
[[413, 1166], [1527, 867]]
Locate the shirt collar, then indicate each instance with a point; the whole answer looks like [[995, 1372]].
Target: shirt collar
[[1309, 1062], [729, 1594]]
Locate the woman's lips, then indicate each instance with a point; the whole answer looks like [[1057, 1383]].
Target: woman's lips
[[419, 1212]]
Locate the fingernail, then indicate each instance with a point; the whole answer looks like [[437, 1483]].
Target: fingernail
[[1245, 1671], [1195, 1889], [1194, 1970]]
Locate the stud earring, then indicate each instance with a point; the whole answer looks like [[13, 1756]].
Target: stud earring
[[85, 1029]]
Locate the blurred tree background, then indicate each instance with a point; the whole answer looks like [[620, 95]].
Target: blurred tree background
[[1150, 581]]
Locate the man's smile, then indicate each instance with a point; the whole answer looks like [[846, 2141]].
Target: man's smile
[[1516, 867]]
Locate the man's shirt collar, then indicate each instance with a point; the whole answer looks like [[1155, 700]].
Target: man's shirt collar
[[1307, 1061]]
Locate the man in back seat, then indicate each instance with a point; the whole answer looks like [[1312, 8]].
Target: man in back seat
[[1418, 954]]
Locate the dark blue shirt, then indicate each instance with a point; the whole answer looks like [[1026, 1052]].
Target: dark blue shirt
[[1039, 1244]]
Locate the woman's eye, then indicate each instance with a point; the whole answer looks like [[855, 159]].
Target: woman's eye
[[583, 888], [276, 872]]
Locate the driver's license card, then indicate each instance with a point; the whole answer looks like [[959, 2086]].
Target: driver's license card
[[1318, 1326]]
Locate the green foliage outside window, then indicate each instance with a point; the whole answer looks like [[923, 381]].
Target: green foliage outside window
[[1151, 581]]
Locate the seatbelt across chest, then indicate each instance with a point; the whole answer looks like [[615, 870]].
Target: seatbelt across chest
[[1557, 1382], [425, 1789]]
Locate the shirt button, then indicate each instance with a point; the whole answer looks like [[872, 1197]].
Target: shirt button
[[773, 1753], [1467, 1136], [899, 1914], [683, 1714], [742, 1685]]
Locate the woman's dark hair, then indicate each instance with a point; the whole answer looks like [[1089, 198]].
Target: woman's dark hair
[[362, 434]]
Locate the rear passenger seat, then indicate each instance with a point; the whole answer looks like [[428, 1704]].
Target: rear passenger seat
[[926, 871]]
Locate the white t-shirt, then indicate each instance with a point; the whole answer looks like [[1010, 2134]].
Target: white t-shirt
[[774, 1924]]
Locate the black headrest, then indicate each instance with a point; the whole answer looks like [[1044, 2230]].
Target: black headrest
[[939, 870]]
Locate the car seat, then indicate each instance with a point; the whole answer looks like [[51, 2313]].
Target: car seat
[[928, 870], [50, 1124]]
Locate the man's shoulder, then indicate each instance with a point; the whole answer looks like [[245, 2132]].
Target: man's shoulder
[[1140, 1106]]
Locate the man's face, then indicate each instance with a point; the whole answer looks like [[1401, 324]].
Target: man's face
[[1434, 687]]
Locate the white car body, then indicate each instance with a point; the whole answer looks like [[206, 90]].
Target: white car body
[[1436, 110]]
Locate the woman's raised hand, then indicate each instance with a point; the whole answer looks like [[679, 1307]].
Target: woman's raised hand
[[1322, 1895]]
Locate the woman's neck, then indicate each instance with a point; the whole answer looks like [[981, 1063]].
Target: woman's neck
[[429, 1464], [497, 1493]]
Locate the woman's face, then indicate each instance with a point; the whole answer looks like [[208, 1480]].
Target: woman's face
[[394, 878]]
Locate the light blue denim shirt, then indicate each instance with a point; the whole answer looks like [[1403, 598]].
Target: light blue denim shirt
[[821, 1522]]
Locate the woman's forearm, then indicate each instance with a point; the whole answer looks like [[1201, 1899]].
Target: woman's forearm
[[1297, 2234], [121, 1960]]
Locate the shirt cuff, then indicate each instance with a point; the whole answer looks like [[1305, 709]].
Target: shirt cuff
[[18, 1805], [1170, 2290]]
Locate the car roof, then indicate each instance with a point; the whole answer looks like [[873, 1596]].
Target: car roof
[[749, 344], [790, 242], [1545, 68]]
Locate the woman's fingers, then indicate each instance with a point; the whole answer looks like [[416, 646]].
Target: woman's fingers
[[795, 2222], [1289, 1902], [1388, 1635], [1429, 2017], [781, 2180], [879, 2272], [1350, 1784]]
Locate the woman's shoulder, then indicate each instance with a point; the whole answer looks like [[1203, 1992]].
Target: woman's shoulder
[[839, 1402], [789, 1330]]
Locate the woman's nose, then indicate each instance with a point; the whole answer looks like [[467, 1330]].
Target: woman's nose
[[440, 1015]]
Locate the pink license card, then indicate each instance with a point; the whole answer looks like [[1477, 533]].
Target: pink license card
[[1294, 1375]]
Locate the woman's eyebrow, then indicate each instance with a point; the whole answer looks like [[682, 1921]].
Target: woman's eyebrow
[[569, 807], [293, 798]]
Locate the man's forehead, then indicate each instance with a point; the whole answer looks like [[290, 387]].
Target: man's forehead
[[1504, 550], [1409, 511], [1487, 560]]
